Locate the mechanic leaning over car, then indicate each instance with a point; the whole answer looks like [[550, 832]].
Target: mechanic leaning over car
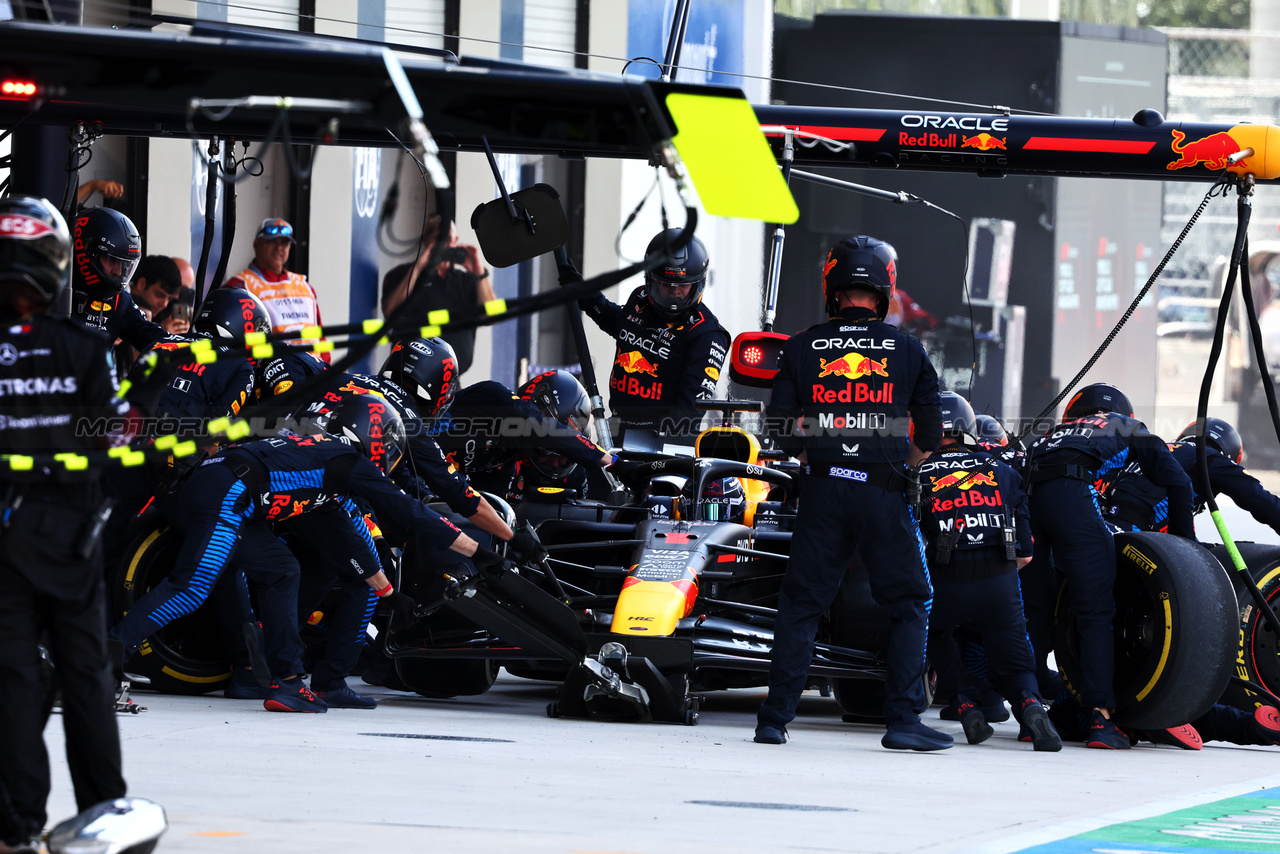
[[490, 428], [841, 401], [671, 348], [54, 375], [226, 507], [107, 251], [1098, 437], [975, 522], [1136, 504]]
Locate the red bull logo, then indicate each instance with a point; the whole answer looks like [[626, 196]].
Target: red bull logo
[[983, 142], [1212, 150], [966, 480], [854, 366], [355, 389], [635, 363]]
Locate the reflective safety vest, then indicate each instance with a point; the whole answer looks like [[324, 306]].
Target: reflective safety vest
[[291, 303]]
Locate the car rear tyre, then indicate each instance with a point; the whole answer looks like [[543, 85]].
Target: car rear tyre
[[1175, 631], [185, 657], [1257, 645]]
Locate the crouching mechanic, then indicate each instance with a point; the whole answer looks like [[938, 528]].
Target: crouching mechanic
[[225, 509], [671, 348], [975, 520], [841, 402], [1098, 437]]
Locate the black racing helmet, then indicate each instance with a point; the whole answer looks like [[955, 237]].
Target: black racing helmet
[[426, 368], [860, 262], [560, 395], [991, 431], [957, 416], [35, 246], [107, 249], [1219, 434], [1098, 397], [368, 422], [686, 266], [231, 313]]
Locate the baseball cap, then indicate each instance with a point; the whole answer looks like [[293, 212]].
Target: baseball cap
[[274, 227]]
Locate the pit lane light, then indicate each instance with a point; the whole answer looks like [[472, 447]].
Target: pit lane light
[[753, 358], [18, 90]]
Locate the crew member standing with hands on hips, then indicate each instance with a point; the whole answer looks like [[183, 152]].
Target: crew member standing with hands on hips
[[53, 375], [841, 401]]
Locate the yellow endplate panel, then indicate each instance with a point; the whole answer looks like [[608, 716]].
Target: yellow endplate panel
[[648, 608], [711, 435]]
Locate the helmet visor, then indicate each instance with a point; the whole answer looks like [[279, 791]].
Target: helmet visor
[[551, 464], [118, 270]]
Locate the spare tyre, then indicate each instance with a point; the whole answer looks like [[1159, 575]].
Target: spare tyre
[[1175, 627], [1257, 646], [187, 656]]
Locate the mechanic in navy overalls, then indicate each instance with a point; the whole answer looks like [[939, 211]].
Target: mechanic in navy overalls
[[107, 251], [845, 396], [671, 348], [1098, 437], [472, 434], [974, 518], [227, 504], [1136, 504]]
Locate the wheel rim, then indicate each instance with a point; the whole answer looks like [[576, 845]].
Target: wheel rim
[[1264, 646]]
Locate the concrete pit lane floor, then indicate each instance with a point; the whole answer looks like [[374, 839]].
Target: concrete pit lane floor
[[493, 773]]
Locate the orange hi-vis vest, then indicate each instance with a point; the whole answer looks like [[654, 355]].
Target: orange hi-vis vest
[[291, 304]]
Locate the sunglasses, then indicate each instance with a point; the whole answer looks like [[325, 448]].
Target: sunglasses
[[278, 229]]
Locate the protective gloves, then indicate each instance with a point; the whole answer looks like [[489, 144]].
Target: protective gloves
[[526, 544], [485, 559]]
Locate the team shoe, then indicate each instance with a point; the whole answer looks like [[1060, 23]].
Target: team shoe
[[343, 697], [991, 714], [1037, 726], [915, 736], [1266, 724], [766, 734], [1184, 736], [292, 696], [1104, 734], [243, 686], [976, 728]]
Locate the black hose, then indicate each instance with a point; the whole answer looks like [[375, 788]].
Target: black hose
[[228, 215], [210, 203]]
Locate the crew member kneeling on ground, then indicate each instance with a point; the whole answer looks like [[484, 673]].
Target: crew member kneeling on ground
[[1098, 437], [53, 377], [853, 381], [975, 521]]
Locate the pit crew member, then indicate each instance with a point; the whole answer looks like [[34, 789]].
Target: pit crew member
[[107, 251], [845, 394]]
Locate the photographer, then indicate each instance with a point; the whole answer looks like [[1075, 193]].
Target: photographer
[[457, 281]]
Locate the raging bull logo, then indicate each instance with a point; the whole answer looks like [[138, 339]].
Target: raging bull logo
[[634, 362], [1212, 150], [964, 480], [854, 366], [983, 142]]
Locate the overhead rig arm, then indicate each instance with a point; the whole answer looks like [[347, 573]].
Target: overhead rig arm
[[997, 144]]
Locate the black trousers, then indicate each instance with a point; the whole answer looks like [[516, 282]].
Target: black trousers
[[46, 590], [837, 520], [1073, 542], [992, 606]]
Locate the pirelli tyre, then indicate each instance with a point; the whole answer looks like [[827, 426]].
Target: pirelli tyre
[[1257, 653], [185, 657], [1175, 631]]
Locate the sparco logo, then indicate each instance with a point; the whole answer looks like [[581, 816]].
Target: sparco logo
[[958, 122], [849, 474]]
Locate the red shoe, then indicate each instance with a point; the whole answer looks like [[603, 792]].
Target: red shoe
[[292, 696], [1266, 723], [1184, 736]]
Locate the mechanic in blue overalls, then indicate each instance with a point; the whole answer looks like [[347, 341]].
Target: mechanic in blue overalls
[[227, 504], [841, 402], [1098, 437], [974, 518]]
